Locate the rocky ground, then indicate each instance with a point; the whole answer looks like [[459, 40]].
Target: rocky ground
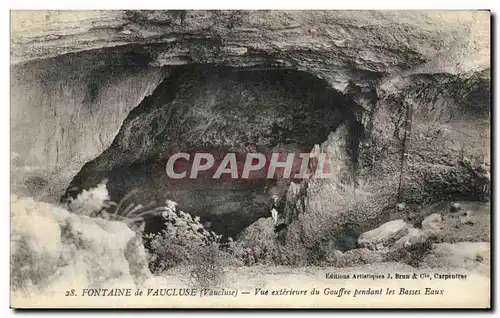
[[93, 252]]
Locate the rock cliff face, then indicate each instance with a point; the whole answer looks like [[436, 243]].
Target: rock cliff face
[[94, 90], [66, 111]]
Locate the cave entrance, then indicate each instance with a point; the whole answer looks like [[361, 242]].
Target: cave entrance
[[200, 107]]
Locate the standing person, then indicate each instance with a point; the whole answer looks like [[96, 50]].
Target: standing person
[[274, 209]]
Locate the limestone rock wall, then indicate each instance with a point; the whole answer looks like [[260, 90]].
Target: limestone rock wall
[[65, 112]]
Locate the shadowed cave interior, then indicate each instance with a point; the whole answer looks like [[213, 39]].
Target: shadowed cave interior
[[200, 108]]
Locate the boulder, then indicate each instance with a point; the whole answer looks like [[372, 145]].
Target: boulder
[[384, 235], [433, 223], [52, 249], [401, 206], [455, 207], [467, 218], [413, 236]]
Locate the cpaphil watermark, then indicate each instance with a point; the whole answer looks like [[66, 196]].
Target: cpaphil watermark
[[252, 165]]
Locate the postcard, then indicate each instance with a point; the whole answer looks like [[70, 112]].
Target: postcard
[[250, 159]]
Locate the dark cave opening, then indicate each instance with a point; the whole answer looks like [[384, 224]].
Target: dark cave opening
[[200, 107]]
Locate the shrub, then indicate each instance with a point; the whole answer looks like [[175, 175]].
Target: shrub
[[208, 269], [261, 244], [185, 241], [256, 244]]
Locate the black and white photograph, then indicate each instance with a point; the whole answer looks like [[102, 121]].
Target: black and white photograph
[[277, 159]]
